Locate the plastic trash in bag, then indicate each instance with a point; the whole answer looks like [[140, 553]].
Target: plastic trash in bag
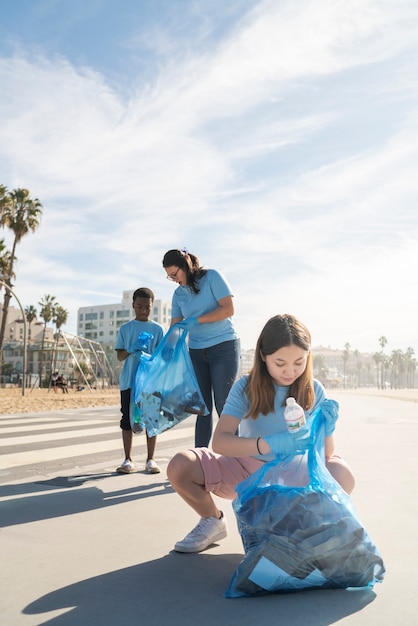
[[166, 389], [299, 528], [135, 414]]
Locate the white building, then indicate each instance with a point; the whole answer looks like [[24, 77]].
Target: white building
[[12, 355], [102, 322]]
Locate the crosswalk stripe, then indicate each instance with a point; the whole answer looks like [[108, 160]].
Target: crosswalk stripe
[[47, 454], [47, 426], [39, 437]]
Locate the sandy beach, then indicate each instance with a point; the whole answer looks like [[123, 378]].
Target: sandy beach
[[12, 401]]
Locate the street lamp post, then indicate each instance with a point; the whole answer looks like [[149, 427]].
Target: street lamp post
[[6, 286]]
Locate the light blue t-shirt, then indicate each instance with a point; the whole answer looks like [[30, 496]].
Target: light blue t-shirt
[[185, 303], [128, 333], [237, 405]]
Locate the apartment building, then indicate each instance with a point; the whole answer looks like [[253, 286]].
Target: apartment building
[[102, 322]]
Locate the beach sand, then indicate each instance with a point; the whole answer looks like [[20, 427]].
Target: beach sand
[[12, 401]]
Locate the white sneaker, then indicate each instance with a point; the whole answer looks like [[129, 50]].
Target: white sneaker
[[127, 467], [151, 467], [207, 531]]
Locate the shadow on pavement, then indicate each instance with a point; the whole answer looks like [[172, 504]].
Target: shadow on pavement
[[52, 504], [180, 589]]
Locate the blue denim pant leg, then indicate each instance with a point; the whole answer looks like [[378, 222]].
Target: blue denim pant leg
[[216, 369]]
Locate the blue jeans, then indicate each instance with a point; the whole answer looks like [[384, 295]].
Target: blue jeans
[[216, 369]]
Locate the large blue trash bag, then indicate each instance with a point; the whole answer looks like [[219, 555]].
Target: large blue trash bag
[[166, 389], [299, 528]]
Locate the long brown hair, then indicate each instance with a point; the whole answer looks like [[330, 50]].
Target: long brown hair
[[280, 331], [187, 262]]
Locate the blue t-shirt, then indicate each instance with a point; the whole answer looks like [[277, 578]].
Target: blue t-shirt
[[237, 405], [212, 288], [128, 333]]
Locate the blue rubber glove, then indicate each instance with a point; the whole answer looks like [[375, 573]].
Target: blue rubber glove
[[188, 323], [288, 444], [140, 344], [329, 410]]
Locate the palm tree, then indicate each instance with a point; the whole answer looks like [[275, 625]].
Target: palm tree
[[377, 358], [3, 196], [20, 213], [411, 366], [59, 319], [396, 365], [382, 342], [5, 258], [346, 356], [47, 313], [358, 366], [31, 315], [320, 367], [5, 261]]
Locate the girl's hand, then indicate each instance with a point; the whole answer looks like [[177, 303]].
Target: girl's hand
[[288, 444], [329, 410]]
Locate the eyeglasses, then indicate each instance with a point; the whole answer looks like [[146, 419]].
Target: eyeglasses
[[173, 276]]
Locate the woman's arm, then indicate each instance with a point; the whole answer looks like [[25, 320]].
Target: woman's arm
[[225, 440], [224, 309]]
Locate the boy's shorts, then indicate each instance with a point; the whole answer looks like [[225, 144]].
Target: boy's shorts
[[125, 401], [223, 473]]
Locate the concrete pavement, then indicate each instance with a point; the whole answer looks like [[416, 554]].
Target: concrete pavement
[[92, 547]]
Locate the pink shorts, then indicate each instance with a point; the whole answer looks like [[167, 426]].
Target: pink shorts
[[223, 473]]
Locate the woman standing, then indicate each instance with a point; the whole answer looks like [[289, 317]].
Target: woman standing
[[202, 303]]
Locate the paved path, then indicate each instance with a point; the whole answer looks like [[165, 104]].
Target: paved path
[[81, 545]]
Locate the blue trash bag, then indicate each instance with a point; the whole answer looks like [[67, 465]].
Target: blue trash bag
[[299, 529], [135, 414], [166, 389]]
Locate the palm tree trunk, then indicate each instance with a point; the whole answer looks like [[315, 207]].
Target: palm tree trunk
[[6, 301]]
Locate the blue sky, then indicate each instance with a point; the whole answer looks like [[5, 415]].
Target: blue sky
[[277, 140]]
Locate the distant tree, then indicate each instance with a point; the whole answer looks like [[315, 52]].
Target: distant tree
[[21, 214], [47, 312], [383, 361], [346, 356], [382, 342], [377, 358], [397, 365], [411, 366], [31, 315], [320, 367], [59, 319], [358, 368]]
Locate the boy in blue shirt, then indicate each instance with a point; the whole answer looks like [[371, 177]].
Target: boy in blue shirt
[[128, 350]]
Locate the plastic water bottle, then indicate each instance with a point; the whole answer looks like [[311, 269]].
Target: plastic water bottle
[[294, 415]]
